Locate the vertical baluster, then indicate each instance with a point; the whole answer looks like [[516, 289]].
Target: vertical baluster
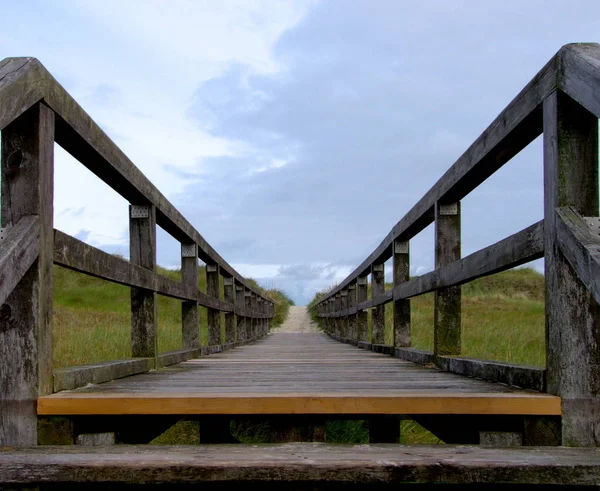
[[26, 315], [228, 296], [248, 300], [447, 301], [142, 252], [338, 319], [572, 315], [401, 306], [378, 313], [189, 309], [344, 318], [214, 315], [254, 304], [362, 289], [241, 320], [352, 318]]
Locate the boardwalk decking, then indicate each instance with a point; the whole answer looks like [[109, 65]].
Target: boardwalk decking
[[298, 371]]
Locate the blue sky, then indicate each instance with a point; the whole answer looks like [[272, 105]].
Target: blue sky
[[295, 134]]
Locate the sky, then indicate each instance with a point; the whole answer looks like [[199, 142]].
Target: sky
[[294, 134]]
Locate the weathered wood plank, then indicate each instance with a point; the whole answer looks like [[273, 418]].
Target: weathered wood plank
[[447, 301], [533, 378], [73, 377], [580, 246], [572, 314], [26, 314], [401, 306], [19, 248], [74, 254], [304, 463], [142, 252], [579, 74], [177, 356]]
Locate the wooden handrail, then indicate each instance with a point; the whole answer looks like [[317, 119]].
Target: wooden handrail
[[562, 102]]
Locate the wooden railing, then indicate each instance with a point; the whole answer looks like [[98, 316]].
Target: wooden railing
[[562, 102], [36, 112]]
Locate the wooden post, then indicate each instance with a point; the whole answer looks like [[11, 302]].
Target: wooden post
[[189, 309], [248, 300], [214, 316], [447, 301], [352, 323], [401, 306], [344, 319], [26, 316], [361, 316], [254, 304], [142, 252], [572, 315], [338, 320], [228, 289], [378, 313], [241, 320]]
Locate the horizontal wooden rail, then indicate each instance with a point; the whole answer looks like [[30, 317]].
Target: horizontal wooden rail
[[74, 254], [19, 248], [520, 248], [25, 81], [581, 246]]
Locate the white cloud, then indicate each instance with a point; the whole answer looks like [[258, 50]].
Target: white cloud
[[134, 67]]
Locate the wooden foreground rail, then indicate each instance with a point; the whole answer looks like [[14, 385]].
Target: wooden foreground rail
[[562, 102], [301, 465], [36, 112]]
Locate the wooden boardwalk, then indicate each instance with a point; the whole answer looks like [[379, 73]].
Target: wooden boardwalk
[[296, 371]]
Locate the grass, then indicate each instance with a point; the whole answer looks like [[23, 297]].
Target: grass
[[502, 319], [92, 318]]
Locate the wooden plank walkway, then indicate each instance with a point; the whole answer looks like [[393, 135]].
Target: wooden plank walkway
[[298, 371]]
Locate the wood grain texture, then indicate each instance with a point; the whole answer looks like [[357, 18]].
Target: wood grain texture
[[298, 373], [95, 373], [306, 464], [214, 316], [401, 318], [190, 321], [19, 248], [142, 253], [447, 301], [26, 314], [572, 314], [378, 312]]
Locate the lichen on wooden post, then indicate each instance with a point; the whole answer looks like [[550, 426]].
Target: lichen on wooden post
[[402, 306], [189, 309], [378, 312], [26, 315], [214, 315], [142, 252], [572, 315], [447, 301]]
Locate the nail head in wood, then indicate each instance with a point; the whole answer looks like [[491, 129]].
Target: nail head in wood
[[139, 211], [189, 250], [448, 210], [593, 223], [401, 247]]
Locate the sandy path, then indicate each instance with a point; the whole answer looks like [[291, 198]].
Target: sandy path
[[298, 321]]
